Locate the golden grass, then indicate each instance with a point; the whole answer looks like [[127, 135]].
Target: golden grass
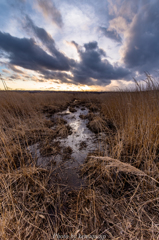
[[136, 119], [121, 200], [97, 124]]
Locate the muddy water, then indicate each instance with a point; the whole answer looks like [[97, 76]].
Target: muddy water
[[80, 133], [82, 141]]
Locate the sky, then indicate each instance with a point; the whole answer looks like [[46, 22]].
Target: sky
[[83, 45]]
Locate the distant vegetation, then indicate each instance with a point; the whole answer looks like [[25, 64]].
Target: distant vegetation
[[121, 200]]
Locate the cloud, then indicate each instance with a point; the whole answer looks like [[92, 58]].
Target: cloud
[[91, 46], [111, 33], [63, 77], [26, 53], [126, 9], [120, 24], [93, 69], [46, 39], [15, 77], [5, 71], [141, 48], [121, 14], [17, 6], [12, 67], [50, 11], [38, 32]]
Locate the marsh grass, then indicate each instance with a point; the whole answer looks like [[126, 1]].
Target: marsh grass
[[121, 200], [135, 117]]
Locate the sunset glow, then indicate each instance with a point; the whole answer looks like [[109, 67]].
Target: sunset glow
[[77, 45]]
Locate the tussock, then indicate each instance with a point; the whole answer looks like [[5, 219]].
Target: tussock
[[93, 107], [63, 130], [111, 163], [97, 124], [48, 148]]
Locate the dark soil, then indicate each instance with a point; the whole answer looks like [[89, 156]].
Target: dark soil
[[83, 145], [67, 151], [72, 109], [48, 149]]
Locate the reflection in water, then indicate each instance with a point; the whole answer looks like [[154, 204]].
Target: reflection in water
[[80, 133], [69, 168]]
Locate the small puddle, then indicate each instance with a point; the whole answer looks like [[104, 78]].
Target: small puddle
[[80, 134], [81, 142]]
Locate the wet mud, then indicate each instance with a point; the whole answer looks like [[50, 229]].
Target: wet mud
[[68, 152]]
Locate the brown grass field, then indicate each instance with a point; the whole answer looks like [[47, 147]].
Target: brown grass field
[[121, 200]]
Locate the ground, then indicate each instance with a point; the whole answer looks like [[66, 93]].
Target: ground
[[79, 164]]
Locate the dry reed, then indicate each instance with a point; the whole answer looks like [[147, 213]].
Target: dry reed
[[121, 200]]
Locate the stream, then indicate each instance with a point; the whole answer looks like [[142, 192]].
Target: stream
[[82, 141]]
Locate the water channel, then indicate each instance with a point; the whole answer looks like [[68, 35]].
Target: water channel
[[82, 141]]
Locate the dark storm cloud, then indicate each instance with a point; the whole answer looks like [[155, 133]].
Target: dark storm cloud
[[141, 50], [91, 45], [94, 70], [27, 54], [40, 33], [50, 11], [46, 40], [112, 34], [61, 76]]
